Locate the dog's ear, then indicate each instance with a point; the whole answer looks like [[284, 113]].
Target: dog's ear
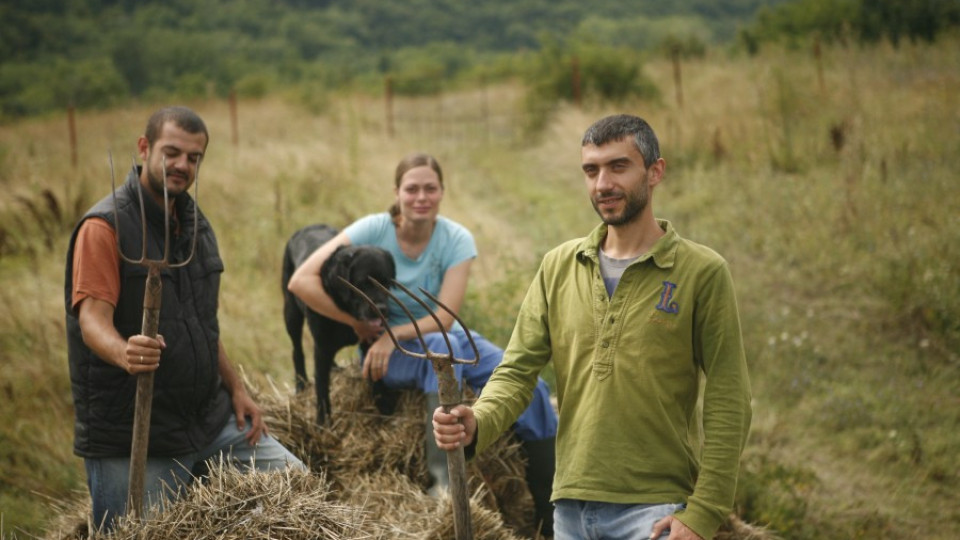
[[388, 264]]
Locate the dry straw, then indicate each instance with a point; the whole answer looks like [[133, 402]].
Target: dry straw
[[366, 480]]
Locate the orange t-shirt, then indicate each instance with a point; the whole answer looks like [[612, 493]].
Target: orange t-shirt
[[96, 263]]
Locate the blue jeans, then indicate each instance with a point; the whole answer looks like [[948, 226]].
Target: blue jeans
[[165, 477], [590, 520], [537, 422]]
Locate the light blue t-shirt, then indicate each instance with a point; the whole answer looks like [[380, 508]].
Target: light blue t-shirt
[[450, 245]]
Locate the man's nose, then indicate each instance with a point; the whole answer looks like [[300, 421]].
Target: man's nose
[[174, 163], [181, 163], [604, 180]]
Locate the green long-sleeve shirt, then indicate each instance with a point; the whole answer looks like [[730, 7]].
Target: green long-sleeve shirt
[[629, 369]]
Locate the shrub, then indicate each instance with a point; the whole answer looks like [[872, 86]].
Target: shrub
[[589, 73]]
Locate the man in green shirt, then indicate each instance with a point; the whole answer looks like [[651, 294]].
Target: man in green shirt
[[637, 321]]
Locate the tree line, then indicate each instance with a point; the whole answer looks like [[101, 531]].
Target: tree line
[[852, 21], [98, 53]]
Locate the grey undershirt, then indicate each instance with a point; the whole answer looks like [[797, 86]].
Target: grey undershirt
[[611, 269]]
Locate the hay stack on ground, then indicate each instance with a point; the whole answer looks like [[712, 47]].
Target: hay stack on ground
[[361, 446], [366, 481]]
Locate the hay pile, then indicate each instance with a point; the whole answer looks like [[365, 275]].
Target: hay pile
[[366, 481]]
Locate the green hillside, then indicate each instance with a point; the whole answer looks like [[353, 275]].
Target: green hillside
[[100, 53], [95, 53]]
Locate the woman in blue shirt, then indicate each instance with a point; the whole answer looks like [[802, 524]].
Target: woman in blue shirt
[[433, 253]]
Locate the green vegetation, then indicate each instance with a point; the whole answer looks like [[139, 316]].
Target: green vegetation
[[101, 53], [96, 53], [867, 21]]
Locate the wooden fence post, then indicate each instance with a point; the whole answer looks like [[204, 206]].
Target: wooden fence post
[[818, 56], [388, 98], [72, 135], [72, 128], [234, 128], [485, 108], [677, 79], [575, 81]]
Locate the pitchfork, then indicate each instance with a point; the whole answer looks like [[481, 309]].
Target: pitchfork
[[151, 322], [448, 389]]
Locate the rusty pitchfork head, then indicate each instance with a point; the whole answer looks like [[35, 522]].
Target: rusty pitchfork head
[[164, 262], [433, 356]]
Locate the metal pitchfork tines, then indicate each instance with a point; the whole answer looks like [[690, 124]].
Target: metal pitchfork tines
[[151, 322], [449, 390]]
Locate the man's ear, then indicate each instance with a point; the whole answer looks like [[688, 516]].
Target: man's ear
[[143, 148], [655, 171]]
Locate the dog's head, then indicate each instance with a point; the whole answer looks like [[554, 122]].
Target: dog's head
[[357, 264]]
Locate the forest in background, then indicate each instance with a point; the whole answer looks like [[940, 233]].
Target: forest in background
[[56, 54]]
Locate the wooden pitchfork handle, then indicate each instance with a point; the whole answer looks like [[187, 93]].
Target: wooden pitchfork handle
[[144, 400], [449, 392], [447, 388]]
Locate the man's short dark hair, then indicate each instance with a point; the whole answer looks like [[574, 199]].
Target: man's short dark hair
[[621, 126], [182, 117]]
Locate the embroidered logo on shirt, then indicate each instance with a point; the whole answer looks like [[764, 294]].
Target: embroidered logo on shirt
[[667, 305]]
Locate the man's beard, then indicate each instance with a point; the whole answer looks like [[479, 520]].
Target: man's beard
[[156, 181], [635, 202]]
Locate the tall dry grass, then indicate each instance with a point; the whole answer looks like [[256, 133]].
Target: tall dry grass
[[836, 207]]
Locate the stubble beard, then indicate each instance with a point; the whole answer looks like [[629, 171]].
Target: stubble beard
[[635, 203], [156, 180]]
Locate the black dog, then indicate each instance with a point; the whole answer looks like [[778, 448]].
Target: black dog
[[353, 263]]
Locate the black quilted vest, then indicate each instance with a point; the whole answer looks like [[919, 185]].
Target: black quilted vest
[[190, 406]]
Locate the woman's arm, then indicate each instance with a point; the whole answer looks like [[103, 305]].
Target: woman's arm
[[305, 283]]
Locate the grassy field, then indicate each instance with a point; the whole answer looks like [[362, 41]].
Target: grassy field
[[830, 187]]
